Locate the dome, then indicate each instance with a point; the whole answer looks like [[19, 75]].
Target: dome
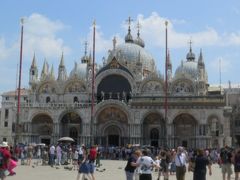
[[79, 70], [130, 52], [190, 56], [139, 42], [188, 68]]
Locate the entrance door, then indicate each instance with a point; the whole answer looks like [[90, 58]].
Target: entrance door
[[45, 141], [113, 140], [184, 143]]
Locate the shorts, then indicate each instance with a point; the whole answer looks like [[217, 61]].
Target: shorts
[[227, 168], [91, 167]]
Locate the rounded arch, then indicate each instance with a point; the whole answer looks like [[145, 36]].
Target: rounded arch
[[47, 87], [112, 113], [42, 124], [112, 103], [70, 124], [118, 72], [183, 86], [120, 87], [184, 130], [115, 117], [152, 86], [113, 134], [154, 129], [75, 86]]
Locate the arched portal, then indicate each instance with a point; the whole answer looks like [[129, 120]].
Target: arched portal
[[154, 130], [71, 125], [113, 135], [119, 89], [42, 129], [112, 125], [185, 130]]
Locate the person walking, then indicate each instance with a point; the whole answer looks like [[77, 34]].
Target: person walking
[[236, 163], [226, 162], [131, 164], [146, 164], [201, 162], [180, 161], [84, 168]]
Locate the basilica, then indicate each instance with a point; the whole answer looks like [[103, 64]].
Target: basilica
[[131, 102]]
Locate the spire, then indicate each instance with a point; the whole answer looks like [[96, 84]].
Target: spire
[[52, 73], [85, 45], [62, 73], [62, 61], [85, 58], [114, 42], [128, 37], [34, 64], [190, 55], [44, 70], [138, 40], [200, 59], [33, 72]]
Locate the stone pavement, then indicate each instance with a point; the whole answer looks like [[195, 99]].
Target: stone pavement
[[114, 171]]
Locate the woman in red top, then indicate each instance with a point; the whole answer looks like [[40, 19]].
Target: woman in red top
[[4, 160]]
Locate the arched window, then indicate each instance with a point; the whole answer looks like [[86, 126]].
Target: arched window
[[48, 99]]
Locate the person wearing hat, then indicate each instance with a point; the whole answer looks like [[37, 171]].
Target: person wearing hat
[[4, 160]]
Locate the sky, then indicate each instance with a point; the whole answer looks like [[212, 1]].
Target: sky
[[53, 27]]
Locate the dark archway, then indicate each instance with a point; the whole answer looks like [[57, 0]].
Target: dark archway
[[42, 125], [114, 87], [71, 125], [185, 130], [154, 130], [117, 119]]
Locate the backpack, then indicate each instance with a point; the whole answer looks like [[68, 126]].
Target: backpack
[[225, 157]]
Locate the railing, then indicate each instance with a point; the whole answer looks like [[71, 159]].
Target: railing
[[55, 105], [179, 99]]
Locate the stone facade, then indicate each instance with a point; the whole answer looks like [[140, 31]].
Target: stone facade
[[130, 104]]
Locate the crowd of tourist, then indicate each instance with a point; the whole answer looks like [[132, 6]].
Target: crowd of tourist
[[141, 162]]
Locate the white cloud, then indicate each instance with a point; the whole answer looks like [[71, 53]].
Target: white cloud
[[102, 44], [3, 49], [153, 30], [40, 36]]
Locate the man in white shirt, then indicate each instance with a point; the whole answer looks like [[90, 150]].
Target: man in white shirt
[[146, 164], [180, 161]]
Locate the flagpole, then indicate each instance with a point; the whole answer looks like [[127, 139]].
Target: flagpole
[[166, 81], [19, 86], [93, 85]]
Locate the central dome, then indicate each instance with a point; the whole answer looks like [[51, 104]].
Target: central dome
[[131, 52], [189, 68]]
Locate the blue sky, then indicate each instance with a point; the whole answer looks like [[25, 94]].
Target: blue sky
[[55, 26]]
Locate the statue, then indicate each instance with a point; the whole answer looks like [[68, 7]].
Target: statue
[[118, 95], [110, 95], [124, 98], [102, 95]]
